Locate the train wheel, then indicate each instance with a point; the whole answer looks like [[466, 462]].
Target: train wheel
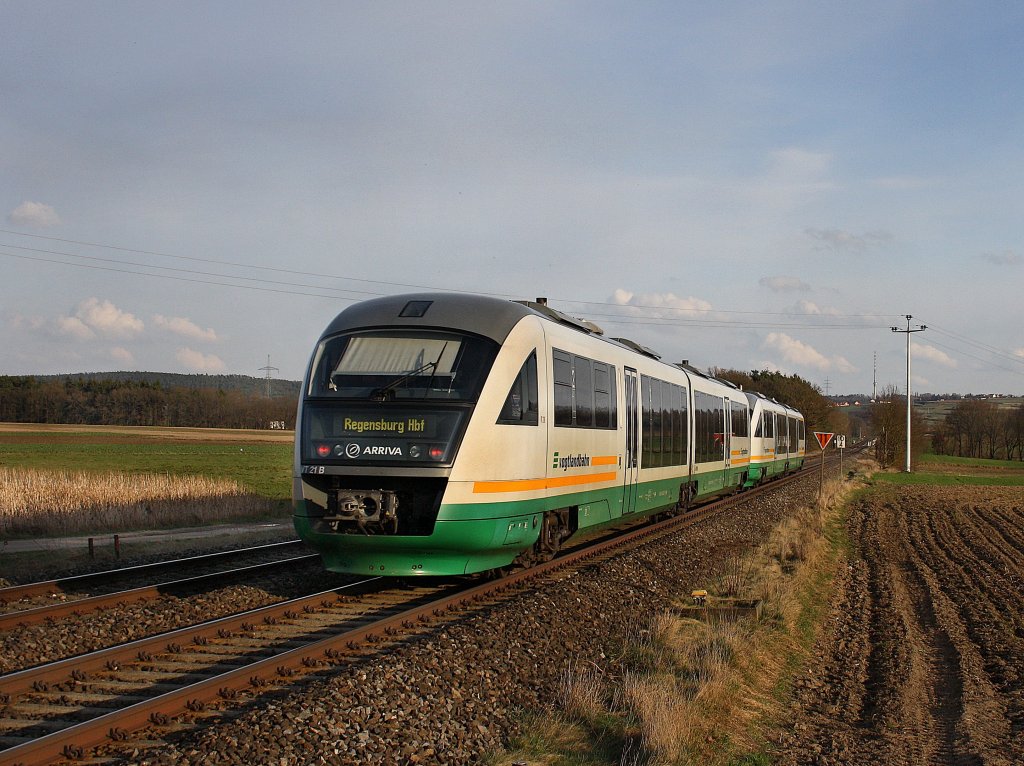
[[553, 530]]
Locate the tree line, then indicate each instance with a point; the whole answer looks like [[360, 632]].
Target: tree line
[[981, 428], [94, 401]]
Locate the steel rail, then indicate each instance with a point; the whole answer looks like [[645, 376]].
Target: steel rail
[[33, 616], [67, 584], [116, 725]]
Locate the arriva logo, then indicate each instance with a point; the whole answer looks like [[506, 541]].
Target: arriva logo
[[353, 451], [570, 461]]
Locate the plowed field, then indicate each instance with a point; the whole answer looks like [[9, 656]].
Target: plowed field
[[922, 661]]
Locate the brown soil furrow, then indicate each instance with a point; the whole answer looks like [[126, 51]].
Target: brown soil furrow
[[988, 602], [922, 659], [980, 589], [937, 660], [982, 728], [1006, 523]]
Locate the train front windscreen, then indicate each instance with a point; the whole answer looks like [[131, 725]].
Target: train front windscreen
[[394, 398]]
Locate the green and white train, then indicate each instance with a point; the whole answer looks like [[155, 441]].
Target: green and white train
[[442, 434]]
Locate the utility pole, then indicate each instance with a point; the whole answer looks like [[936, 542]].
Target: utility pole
[[268, 370], [874, 376], [919, 328]]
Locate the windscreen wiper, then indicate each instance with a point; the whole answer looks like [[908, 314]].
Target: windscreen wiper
[[383, 394]]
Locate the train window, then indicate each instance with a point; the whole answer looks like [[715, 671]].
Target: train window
[[646, 425], [657, 423], [757, 427], [520, 406], [664, 426], [584, 392], [740, 420], [583, 388], [563, 388], [709, 421], [388, 366], [679, 434], [604, 396]]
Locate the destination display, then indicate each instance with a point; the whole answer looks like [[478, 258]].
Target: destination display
[[355, 425], [365, 433]]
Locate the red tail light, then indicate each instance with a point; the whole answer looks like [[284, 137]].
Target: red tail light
[[323, 450]]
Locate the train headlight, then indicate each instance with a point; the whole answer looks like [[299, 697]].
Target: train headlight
[[415, 451]]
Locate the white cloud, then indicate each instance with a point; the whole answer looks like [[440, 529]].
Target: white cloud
[[34, 214], [764, 364], [121, 354], [782, 284], [74, 327], [797, 352], [101, 318], [674, 305], [185, 327], [813, 309], [841, 241], [932, 354], [1019, 352], [843, 364], [199, 362]]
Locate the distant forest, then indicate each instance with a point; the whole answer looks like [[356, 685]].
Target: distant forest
[[149, 399]]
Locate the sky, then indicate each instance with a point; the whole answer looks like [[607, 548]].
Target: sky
[[201, 187]]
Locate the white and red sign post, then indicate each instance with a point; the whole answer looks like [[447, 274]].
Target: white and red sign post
[[823, 440]]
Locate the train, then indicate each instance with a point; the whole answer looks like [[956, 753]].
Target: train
[[442, 434]]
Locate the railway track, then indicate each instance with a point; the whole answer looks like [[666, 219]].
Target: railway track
[[87, 604], [64, 709], [21, 597]]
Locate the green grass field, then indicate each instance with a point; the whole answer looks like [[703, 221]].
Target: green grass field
[[261, 463], [946, 470]]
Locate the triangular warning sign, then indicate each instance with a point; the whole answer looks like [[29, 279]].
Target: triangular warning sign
[[823, 439]]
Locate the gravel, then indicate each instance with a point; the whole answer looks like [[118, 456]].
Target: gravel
[[454, 694]]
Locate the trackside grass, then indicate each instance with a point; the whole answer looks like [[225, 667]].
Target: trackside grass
[[690, 691]]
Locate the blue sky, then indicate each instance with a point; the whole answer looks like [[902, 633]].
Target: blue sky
[[193, 187]]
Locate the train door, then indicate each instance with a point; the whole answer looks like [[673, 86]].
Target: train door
[[631, 462]]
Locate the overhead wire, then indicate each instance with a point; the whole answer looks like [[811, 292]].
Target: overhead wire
[[626, 314], [711, 320]]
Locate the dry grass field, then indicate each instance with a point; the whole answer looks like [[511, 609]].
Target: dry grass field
[[63, 480], [46, 503]]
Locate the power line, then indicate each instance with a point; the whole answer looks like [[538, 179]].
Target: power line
[[237, 264], [624, 319], [648, 313]]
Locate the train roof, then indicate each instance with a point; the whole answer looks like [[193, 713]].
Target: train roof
[[480, 314], [483, 315], [491, 317]]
